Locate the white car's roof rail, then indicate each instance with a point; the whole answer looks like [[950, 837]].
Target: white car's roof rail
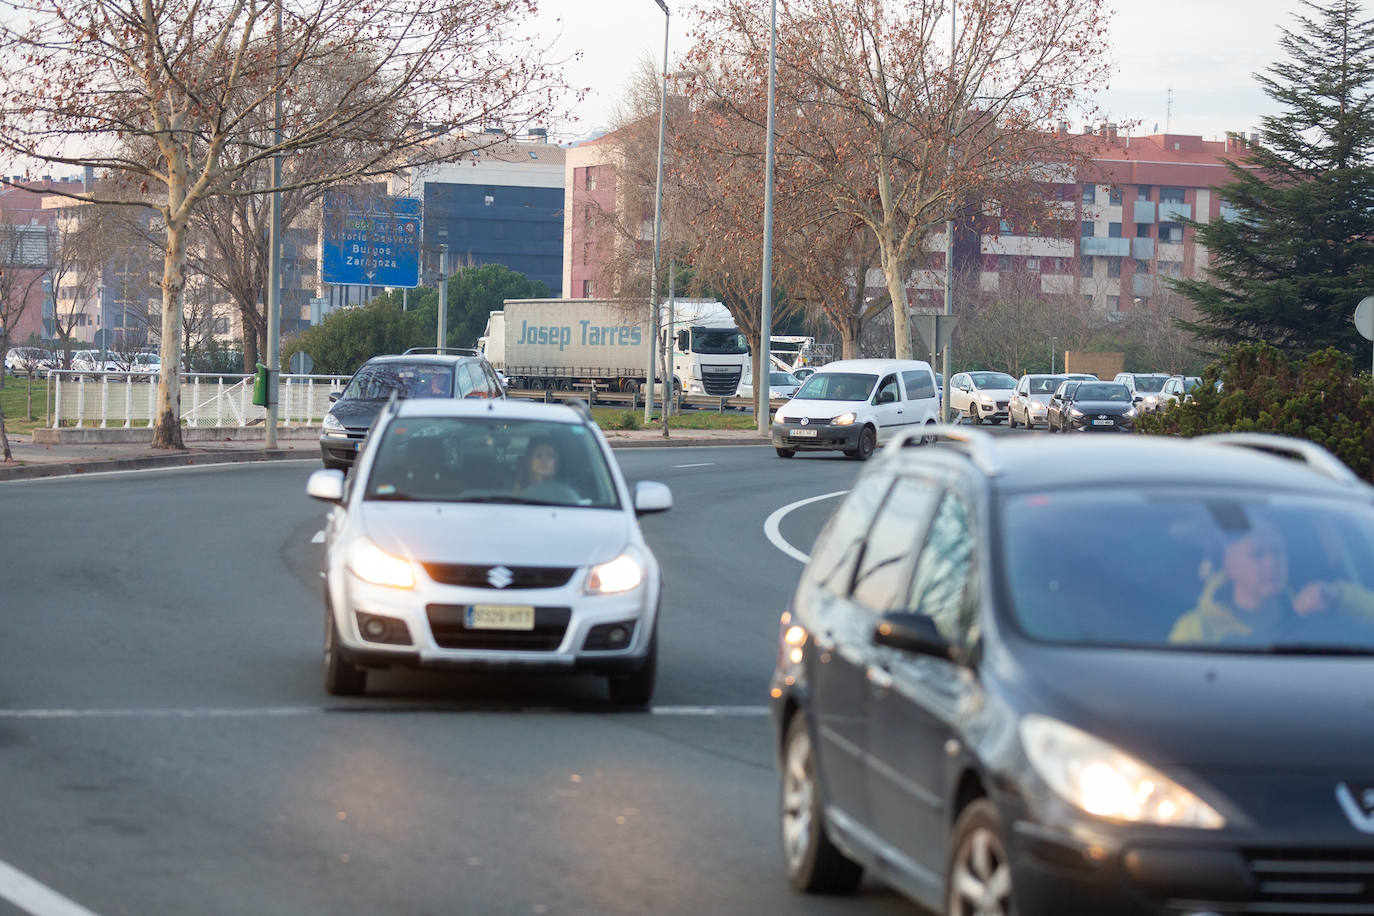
[[1304, 450], [979, 446]]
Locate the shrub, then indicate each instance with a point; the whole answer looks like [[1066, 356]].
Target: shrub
[[1319, 398], [627, 420]]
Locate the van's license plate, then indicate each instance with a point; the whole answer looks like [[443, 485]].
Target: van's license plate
[[803, 433], [500, 617]]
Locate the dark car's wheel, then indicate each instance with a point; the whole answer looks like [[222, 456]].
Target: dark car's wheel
[[785, 452], [636, 689], [868, 440], [340, 678], [978, 877], [813, 863]]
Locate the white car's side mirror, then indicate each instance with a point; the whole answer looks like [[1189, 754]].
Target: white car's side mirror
[[650, 496], [326, 484]]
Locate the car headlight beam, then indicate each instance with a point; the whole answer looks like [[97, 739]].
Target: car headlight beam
[[331, 424], [1104, 781], [844, 419], [622, 574], [372, 564]]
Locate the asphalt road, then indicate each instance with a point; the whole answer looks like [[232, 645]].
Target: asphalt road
[[166, 746]]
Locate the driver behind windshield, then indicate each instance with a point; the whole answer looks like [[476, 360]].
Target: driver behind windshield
[[1249, 601]]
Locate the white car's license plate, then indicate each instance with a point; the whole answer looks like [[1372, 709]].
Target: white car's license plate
[[500, 617], [1104, 422], [811, 433]]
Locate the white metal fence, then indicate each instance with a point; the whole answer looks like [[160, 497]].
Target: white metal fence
[[129, 399]]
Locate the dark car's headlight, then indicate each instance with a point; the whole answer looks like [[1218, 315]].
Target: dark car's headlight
[[1130, 413], [1096, 777], [332, 426]]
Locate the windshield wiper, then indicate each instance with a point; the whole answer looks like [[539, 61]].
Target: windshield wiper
[[1300, 648], [508, 498], [392, 497]]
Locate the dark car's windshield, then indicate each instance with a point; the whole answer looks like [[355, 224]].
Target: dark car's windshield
[[1213, 572], [837, 386], [992, 380], [409, 380], [720, 342], [490, 460], [1102, 392], [1150, 383]]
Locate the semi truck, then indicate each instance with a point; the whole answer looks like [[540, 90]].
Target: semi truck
[[556, 343]]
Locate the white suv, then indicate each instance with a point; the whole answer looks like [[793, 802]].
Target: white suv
[[855, 405], [1146, 388], [489, 535], [979, 396]]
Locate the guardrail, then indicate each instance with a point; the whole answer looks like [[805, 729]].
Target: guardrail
[[635, 399], [129, 399]]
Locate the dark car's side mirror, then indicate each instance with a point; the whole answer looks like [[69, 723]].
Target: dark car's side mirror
[[912, 633], [334, 396]]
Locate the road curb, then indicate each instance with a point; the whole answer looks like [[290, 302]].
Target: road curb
[[192, 459], [148, 462]]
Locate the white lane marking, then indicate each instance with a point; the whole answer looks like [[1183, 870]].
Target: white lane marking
[[700, 464], [35, 898], [318, 538], [772, 527], [264, 712]]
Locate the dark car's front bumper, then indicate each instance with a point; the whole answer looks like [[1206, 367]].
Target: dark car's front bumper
[[815, 436], [342, 450], [1100, 423]]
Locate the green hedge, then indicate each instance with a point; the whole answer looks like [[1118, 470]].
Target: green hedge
[[1318, 398]]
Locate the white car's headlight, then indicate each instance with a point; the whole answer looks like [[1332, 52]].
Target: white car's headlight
[[331, 424], [778, 417], [1106, 782], [372, 564], [1151, 399], [987, 399], [622, 574], [844, 419]]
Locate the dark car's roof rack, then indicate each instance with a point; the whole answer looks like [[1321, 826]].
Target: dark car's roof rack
[[980, 447], [442, 351], [1309, 453]]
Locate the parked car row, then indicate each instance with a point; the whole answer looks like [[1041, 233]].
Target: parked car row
[[21, 360]]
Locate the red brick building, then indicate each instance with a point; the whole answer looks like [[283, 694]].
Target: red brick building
[[25, 247]]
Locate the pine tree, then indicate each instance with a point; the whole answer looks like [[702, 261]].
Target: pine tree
[[1291, 267]]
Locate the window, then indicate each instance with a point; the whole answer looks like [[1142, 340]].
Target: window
[[488, 200], [1113, 230], [1089, 193], [887, 557], [888, 387], [588, 291], [1170, 268], [1088, 300], [1171, 195], [1089, 229], [919, 384], [1143, 192], [467, 385], [589, 179], [1004, 227], [1113, 267], [1004, 262], [1085, 267], [1114, 197], [1142, 230], [586, 253], [1032, 264], [1170, 232], [837, 547], [940, 586]]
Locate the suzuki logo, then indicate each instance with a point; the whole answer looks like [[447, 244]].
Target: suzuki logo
[[1358, 804], [805, 420], [500, 577]]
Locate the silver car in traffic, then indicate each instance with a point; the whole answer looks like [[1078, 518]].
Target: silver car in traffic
[[492, 536]]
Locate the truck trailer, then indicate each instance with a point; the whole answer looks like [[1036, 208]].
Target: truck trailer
[[556, 343]]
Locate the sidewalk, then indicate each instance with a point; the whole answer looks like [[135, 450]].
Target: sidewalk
[[43, 460]]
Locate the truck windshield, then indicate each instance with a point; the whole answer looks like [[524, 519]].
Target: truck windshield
[[723, 341]]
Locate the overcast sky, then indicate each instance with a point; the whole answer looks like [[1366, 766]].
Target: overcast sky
[[1206, 50]]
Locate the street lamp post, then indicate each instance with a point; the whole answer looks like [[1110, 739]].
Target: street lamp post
[[766, 313], [1053, 341], [658, 217]]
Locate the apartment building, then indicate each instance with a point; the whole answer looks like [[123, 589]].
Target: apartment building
[[26, 248]]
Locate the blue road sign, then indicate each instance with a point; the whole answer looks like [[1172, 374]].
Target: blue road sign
[[371, 239]]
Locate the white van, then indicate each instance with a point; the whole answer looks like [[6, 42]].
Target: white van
[[855, 405]]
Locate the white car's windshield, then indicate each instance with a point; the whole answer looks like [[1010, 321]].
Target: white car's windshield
[[1150, 383], [490, 460], [992, 380], [837, 386]]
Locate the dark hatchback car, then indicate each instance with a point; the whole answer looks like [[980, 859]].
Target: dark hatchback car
[[1091, 407], [981, 700], [415, 374]]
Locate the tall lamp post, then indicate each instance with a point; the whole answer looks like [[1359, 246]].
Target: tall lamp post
[[1053, 341], [761, 411], [658, 217], [273, 356]]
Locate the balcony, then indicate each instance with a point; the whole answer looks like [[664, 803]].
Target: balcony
[[1112, 248], [1172, 213], [1144, 211], [1142, 286], [1143, 249]]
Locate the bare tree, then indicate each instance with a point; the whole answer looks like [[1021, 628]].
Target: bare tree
[[875, 116], [25, 252], [168, 98]]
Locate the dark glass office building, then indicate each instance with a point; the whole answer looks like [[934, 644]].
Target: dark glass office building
[[519, 227]]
